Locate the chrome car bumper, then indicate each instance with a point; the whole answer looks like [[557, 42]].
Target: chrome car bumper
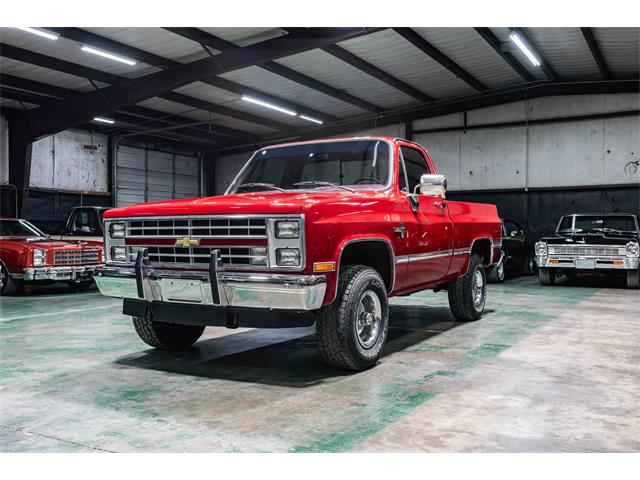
[[229, 289], [587, 263], [59, 273]]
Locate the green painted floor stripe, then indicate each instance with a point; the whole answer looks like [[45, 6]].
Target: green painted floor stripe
[[54, 313]]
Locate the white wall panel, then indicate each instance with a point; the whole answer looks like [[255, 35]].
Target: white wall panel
[[68, 161], [444, 149]]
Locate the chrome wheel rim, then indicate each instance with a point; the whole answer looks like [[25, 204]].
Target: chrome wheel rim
[[531, 264], [1, 278], [368, 319], [500, 271], [477, 287]]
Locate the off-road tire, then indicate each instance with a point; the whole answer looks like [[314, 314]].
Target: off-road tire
[[546, 276], [528, 266], [633, 279], [81, 286], [461, 292], [166, 336], [498, 273], [336, 325], [8, 285]]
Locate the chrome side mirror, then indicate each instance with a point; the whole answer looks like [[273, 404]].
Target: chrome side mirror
[[433, 185]]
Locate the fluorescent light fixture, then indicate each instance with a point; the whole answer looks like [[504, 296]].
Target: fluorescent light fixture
[[516, 39], [40, 33], [310, 119], [104, 120], [107, 55], [268, 105]]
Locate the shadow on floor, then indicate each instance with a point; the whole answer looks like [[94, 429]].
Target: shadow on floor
[[290, 357]]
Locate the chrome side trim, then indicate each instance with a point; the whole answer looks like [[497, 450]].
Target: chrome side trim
[[431, 255]]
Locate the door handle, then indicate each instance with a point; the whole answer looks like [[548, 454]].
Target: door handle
[[440, 204]]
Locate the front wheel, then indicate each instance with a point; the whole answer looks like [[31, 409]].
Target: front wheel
[[8, 285], [497, 273], [352, 330], [529, 265], [633, 279], [166, 336], [468, 293], [546, 276]]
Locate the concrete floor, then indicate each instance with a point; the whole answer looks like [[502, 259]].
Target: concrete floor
[[547, 369]]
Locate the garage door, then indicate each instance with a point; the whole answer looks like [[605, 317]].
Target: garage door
[[148, 175]]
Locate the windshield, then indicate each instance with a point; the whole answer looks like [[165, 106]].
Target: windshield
[[18, 228], [356, 163], [597, 223]]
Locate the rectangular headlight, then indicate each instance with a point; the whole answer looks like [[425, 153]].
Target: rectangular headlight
[[118, 254], [288, 257], [258, 256], [287, 229], [116, 230], [39, 257]]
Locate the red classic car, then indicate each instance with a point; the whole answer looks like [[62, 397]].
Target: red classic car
[[313, 232], [28, 255]]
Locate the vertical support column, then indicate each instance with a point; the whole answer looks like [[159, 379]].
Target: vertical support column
[[110, 166], [20, 149], [408, 129]]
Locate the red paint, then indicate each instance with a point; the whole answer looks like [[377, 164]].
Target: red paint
[[335, 218]]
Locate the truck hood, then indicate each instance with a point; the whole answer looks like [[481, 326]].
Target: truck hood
[[244, 203], [42, 242], [591, 239]]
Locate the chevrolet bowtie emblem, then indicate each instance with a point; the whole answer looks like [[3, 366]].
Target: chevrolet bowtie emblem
[[187, 242]]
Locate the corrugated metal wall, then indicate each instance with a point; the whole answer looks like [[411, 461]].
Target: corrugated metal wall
[[143, 175]]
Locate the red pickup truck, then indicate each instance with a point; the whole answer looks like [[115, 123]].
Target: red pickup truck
[[312, 232]]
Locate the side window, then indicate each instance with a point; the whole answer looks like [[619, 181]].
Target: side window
[[415, 165], [86, 221], [511, 227]]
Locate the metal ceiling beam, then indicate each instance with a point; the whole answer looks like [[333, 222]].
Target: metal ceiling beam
[[427, 48], [48, 120], [544, 65], [445, 107], [60, 93], [205, 38], [70, 68], [376, 72], [126, 121], [590, 38], [89, 38], [508, 57]]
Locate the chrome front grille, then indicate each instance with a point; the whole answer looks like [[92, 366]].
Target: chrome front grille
[[199, 256], [586, 250], [198, 227], [76, 257]]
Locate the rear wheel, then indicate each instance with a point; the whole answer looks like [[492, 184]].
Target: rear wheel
[[529, 265], [497, 273], [546, 276], [166, 336], [633, 278], [468, 293], [352, 330], [8, 285]]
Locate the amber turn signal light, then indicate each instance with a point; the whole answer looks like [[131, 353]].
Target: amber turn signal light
[[324, 267]]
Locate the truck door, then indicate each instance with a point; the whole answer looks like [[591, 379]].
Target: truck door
[[431, 229]]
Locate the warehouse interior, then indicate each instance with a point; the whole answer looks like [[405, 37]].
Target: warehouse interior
[[116, 116]]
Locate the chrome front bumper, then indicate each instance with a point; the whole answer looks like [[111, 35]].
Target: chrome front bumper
[[230, 289], [59, 273], [587, 263]]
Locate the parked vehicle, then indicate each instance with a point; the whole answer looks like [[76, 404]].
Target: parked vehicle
[[518, 256], [28, 255], [321, 231], [83, 223], [593, 243]]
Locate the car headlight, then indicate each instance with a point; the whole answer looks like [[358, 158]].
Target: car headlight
[[633, 250], [116, 230], [118, 254], [541, 249], [288, 257], [39, 257], [258, 256], [287, 229]]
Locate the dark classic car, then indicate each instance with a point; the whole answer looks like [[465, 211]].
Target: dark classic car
[[517, 249], [83, 223], [28, 255], [594, 243]]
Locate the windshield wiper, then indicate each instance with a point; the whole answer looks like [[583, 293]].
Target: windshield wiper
[[261, 185], [320, 183]]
